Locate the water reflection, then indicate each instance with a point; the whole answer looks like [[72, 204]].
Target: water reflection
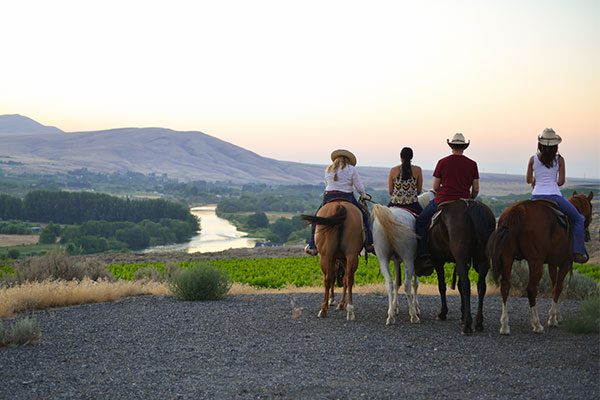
[[216, 234]]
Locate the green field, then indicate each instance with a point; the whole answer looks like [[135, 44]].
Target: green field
[[299, 271]]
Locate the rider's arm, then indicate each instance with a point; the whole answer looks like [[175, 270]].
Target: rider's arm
[[357, 183], [437, 182], [474, 188], [391, 177], [529, 177], [419, 180], [561, 171]]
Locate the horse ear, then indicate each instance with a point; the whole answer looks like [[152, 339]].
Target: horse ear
[[590, 196], [574, 192]]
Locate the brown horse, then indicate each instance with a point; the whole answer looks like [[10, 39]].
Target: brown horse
[[459, 234], [339, 240], [530, 230]]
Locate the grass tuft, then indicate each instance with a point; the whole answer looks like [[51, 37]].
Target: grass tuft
[[22, 332], [204, 282], [587, 320]]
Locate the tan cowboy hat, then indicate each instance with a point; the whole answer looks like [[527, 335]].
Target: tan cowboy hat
[[458, 139], [549, 138], [343, 153]]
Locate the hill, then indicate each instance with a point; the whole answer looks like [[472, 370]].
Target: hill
[[27, 146]]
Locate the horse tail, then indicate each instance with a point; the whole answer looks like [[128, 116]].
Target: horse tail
[[336, 219], [509, 226], [393, 230]]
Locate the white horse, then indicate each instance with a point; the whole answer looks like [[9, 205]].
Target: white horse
[[395, 240]]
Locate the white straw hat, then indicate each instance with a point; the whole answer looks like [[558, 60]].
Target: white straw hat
[[343, 153], [549, 138], [458, 139]]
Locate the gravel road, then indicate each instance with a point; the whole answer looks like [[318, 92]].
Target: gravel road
[[251, 346]]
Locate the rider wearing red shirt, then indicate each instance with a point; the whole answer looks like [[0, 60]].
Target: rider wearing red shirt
[[455, 177]]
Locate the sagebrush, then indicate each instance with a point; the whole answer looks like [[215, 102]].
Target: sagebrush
[[204, 282], [22, 332]]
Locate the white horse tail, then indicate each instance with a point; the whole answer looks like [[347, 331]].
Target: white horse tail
[[393, 229]]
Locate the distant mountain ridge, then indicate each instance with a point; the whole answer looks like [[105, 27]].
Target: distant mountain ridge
[[27, 146]]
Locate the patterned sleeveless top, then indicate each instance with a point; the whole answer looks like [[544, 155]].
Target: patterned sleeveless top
[[405, 191]]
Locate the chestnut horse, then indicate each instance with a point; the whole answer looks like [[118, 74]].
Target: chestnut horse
[[339, 240], [530, 230], [459, 234]]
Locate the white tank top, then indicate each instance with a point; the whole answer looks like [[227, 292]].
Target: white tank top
[[545, 178]]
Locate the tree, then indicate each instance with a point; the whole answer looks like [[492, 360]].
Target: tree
[[257, 220], [49, 234]]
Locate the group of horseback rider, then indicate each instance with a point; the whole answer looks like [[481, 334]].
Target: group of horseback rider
[[454, 177]]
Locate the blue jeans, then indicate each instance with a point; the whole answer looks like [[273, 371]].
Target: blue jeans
[[577, 220], [422, 228], [346, 196]]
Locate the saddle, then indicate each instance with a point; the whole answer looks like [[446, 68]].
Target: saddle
[[562, 218], [434, 217]]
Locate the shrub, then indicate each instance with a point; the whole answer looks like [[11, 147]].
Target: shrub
[[575, 286], [57, 265], [23, 332], [587, 320], [204, 282], [13, 253]]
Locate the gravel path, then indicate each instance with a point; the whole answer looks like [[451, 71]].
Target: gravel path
[[250, 347]]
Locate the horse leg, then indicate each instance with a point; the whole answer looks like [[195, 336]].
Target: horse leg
[[462, 270], [481, 289], [505, 290], [439, 271], [415, 288], [351, 265], [409, 269], [397, 272], [384, 268], [328, 280], [342, 304], [331, 293], [557, 287], [535, 273]]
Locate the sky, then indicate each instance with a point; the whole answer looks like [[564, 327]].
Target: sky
[[294, 80]]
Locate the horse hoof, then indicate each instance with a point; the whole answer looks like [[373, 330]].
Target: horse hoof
[[538, 329], [415, 320], [467, 331], [331, 302], [505, 332], [350, 317], [390, 321], [340, 307], [441, 317], [322, 314], [479, 327]]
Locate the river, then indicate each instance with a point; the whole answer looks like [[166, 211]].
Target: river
[[216, 234]]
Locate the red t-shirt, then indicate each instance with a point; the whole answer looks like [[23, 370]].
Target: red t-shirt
[[456, 173]]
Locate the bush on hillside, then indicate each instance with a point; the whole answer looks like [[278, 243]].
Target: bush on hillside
[[204, 282], [22, 332], [587, 320]]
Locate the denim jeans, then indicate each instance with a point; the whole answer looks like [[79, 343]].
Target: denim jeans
[[346, 196], [422, 228], [577, 220]]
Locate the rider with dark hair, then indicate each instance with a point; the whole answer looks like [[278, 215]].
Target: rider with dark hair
[[340, 179], [455, 177], [546, 173], [405, 183]]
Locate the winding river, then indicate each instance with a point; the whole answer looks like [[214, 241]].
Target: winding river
[[216, 234]]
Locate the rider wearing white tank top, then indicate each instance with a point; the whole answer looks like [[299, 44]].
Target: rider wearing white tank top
[[545, 178]]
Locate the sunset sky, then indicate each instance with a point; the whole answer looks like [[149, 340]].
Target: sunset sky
[[293, 80]]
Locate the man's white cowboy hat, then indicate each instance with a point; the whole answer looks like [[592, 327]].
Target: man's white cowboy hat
[[458, 139], [343, 153], [549, 138]]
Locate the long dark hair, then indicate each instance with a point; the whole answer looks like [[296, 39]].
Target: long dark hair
[[406, 155], [547, 154]]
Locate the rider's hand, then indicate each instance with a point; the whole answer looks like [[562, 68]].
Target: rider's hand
[[365, 196]]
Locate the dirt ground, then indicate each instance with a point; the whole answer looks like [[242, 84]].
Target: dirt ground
[[15, 240]]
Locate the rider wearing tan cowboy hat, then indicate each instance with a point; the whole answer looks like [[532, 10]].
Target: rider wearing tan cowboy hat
[[546, 173], [455, 177], [341, 178]]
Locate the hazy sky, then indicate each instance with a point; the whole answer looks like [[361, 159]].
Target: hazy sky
[[293, 80]]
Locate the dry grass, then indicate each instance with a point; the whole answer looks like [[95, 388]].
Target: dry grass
[[48, 294], [15, 240]]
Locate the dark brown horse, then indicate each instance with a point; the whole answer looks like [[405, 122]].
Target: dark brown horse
[[530, 230], [339, 240], [459, 234]]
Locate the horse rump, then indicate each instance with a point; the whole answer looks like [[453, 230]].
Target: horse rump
[[509, 226]]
